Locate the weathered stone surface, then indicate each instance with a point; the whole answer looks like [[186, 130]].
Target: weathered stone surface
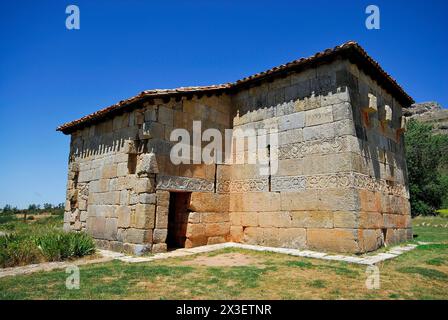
[[371, 220], [151, 129], [110, 232], [143, 217], [147, 164], [249, 219], [370, 239], [195, 230], [161, 217], [311, 219], [209, 202], [280, 219], [144, 185], [255, 201], [166, 116], [212, 217], [292, 237], [147, 198], [83, 216], [217, 229], [194, 217], [138, 236], [163, 198], [318, 116], [301, 200], [290, 167], [338, 240], [396, 235], [345, 219], [236, 233], [216, 240], [159, 247], [159, 235], [291, 121], [124, 216]]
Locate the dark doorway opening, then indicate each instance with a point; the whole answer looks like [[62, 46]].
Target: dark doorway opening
[[178, 219], [384, 231]]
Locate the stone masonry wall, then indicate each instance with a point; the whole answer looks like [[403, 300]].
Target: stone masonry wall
[[120, 174], [384, 208], [340, 184], [321, 195]]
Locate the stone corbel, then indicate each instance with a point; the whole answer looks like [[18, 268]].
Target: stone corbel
[[402, 128], [130, 147], [386, 117], [147, 164], [373, 104], [370, 109]]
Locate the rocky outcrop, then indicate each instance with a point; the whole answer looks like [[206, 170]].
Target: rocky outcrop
[[429, 112]]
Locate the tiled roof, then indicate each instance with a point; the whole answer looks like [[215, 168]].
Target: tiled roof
[[349, 50]]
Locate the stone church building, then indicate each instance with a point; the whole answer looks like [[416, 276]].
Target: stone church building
[[341, 183]]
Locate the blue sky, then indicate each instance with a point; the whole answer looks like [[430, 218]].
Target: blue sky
[[50, 75]]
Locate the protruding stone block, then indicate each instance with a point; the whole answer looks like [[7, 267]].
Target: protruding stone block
[[147, 164]]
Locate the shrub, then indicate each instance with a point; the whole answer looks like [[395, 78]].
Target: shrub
[[16, 250], [7, 218], [83, 244], [54, 246], [59, 245]]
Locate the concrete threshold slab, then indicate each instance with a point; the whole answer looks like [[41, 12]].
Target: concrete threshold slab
[[108, 255], [49, 266], [367, 260]]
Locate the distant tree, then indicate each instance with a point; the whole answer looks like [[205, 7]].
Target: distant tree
[[48, 206], [7, 209], [426, 156]]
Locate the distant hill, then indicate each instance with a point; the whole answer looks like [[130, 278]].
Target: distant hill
[[429, 112]]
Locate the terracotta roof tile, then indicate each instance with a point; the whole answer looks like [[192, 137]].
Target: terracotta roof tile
[[350, 50]]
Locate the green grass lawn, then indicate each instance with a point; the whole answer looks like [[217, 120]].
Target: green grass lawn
[[418, 274]]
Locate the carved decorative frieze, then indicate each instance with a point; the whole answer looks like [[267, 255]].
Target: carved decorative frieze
[[314, 182], [250, 185], [284, 183], [184, 184], [300, 149], [340, 180], [223, 186], [288, 183]]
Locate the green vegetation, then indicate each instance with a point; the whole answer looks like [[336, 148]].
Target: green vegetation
[[317, 284], [425, 272], [443, 212], [33, 209], [418, 274], [427, 161], [40, 240]]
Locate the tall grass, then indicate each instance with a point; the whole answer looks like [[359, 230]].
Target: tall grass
[[53, 245]]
